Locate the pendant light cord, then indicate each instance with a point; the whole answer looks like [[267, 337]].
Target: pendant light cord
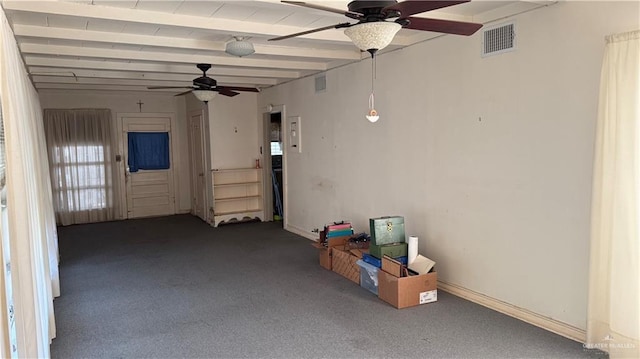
[[373, 79]]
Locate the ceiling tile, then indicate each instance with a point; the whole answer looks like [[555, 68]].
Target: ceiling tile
[[160, 6], [299, 19], [198, 8], [234, 12], [267, 16]]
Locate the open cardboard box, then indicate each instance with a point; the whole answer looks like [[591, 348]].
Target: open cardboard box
[[403, 292], [325, 252], [344, 263]]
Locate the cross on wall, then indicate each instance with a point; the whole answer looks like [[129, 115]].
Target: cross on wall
[[140, 103]]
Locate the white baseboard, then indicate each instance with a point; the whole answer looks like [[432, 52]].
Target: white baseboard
[[302, 232], [525, 315]]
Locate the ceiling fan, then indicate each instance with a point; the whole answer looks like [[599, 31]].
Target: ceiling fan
[[379, 11], [207, 84]]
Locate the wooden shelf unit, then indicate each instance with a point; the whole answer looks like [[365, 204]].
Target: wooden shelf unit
[[237, 194]]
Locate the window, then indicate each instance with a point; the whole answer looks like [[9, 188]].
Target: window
[[80, 171], [276, 148]]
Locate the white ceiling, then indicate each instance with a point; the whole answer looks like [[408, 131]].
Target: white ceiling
[[130, 44]]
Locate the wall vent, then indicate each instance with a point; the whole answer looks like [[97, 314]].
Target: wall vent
[[499, 39], [321, 83]]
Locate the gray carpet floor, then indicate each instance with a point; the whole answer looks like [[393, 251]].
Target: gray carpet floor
[[174, 287]]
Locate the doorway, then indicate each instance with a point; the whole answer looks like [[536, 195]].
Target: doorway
[[148, 174], [273, 153], [197, 160]]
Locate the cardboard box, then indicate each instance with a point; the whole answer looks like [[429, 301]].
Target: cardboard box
[[391, 266], [325, 252], [407, 291], [345, 264]]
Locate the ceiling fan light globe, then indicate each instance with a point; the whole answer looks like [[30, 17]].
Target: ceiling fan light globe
[[204, 95], [239, 47], [372, 116], [372, 35], [372, 119]]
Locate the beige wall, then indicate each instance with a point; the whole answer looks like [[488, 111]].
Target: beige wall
[[233, 127], [127, 102], [489, 159]]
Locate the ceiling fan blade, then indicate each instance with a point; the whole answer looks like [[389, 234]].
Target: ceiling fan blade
[[184, 93], [444, 26], [168, 87], [411, 7], [225, 91], [337, 26], [236, 88], [350, 14]]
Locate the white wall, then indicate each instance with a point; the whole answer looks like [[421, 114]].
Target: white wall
[[127, 102], [489, 159]]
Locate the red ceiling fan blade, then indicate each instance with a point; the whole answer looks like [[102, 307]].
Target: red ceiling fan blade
[[337, 26], [444, 26], [225, 91], [411, 7], [237, 88], [350, 14]]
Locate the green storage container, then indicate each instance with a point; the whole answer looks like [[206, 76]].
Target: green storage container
[[392, 250], [386, 230]]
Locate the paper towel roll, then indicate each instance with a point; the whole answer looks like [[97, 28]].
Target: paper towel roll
[[413, 249]]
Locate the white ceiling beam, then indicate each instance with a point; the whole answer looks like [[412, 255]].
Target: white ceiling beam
[[101, 87], [227, 26], [173, 42], [39, 79], [50, 71], [156, 67], [167, 57]]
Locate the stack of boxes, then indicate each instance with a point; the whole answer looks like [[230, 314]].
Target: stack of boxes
[[387, 238], [383, 270]]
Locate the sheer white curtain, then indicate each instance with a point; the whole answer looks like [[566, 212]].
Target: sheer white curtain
[[614, 279], [31, 226], [80, 150]]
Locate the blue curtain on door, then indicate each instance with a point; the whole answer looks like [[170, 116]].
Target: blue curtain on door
[[148, 151]]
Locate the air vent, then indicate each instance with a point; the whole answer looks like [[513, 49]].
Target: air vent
[[321, 83], [499, 39]]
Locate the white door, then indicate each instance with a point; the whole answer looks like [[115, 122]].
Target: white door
[[196, 153], [148, 192]]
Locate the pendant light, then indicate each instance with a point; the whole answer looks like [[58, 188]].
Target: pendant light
[[239, 47], [372, 114]]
